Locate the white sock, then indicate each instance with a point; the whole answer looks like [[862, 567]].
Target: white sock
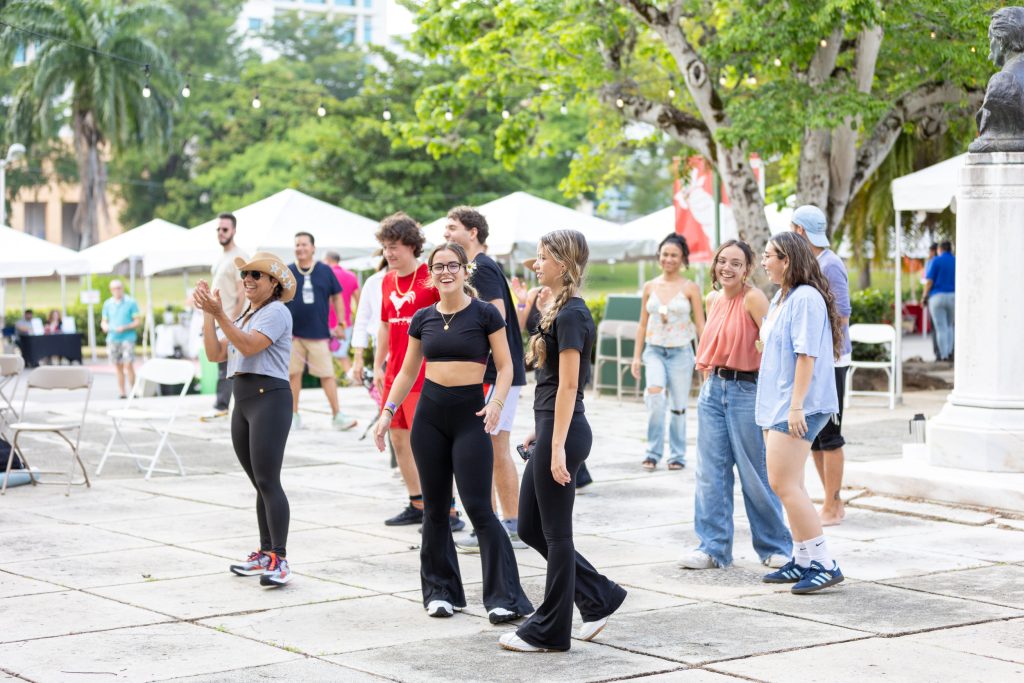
[[800, 554], [817, 548]]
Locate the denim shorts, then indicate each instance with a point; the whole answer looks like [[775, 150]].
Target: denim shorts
[[815, 423]]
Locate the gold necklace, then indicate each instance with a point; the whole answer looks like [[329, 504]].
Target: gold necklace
[[305, 273], [447, 320], [398, 288]]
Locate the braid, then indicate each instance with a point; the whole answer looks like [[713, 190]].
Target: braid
[[537, 355], [569, 248]]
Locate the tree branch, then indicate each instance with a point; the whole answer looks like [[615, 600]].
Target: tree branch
[[681, 126], [927, 105]]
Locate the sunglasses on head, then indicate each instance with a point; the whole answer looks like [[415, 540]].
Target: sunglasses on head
[[254, 274]]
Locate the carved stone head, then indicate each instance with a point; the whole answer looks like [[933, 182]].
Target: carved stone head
[[1001, 117], [1006, 34]]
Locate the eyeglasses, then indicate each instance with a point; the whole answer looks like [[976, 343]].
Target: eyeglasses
[[254, 274], [223, 229], [452, 266]]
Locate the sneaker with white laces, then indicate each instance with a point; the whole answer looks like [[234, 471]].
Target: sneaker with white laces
[[254, 566], [342, 422], [698, 559], [296, 421], [511, 641], [790, 572], [278, 572], [590, 629], [440, 608], [775, 561], [816, 577]]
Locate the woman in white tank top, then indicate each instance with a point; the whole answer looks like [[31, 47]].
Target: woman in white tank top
[[671, 319]]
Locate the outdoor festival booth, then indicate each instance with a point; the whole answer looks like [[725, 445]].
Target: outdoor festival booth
[[30, 256], [932, 190], [270, 224], [129, 254]]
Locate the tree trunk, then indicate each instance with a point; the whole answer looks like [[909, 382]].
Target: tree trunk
[[92, 174], [864, 280]]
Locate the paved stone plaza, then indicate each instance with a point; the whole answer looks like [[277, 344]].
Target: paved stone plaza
[[128, 580]]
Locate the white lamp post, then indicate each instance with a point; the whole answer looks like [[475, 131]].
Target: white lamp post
[[14, 152]]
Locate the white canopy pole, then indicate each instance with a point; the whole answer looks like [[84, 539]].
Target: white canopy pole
[[3, 301], [150, 318], [91, 321], [898, 344]]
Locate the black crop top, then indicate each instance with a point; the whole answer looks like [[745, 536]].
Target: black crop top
[[466, 336], [573, 328]]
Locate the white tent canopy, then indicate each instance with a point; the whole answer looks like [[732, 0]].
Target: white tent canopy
[[28, 256], [517, 222], [270, 224], [932, 189], [655, 226], [133, 245]]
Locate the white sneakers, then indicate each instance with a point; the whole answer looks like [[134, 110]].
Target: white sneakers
[[590, 629], [440, 608], [776, 561], [698, 559], [510, 641]]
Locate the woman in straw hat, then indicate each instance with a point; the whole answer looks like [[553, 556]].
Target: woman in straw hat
[[257, 348]]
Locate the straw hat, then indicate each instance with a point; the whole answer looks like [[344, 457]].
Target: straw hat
[[265, 262], [528, 263]]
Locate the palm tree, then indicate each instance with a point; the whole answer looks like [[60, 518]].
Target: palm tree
[[72, 71]]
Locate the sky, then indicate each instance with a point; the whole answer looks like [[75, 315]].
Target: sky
[[399, 19]]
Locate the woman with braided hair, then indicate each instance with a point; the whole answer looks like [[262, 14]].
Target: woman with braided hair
[[561, 351]]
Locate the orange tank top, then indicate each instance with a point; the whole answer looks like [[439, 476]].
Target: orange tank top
[[729, 337]]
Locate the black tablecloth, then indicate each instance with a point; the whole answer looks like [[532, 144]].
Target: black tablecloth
[[35, 348]]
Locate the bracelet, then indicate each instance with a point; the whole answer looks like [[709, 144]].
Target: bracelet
[[521, 307], [387, 410], [792, 409], [501, 404], [390, 405]]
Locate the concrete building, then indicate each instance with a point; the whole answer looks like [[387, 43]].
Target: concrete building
[[368, 18]]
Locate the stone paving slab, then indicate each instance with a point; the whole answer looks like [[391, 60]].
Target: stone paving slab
[[899, 659], [350, 625], [136, 654], [191, 528], [127, 566], [871, 561], [84, 510], [57, 614], [869, 525], [997, 584], [878, 609], [63, 540], [706, 632], [606, 553], [733, 582], [998, 640], [689, 676], [12, 585], [225, 593], [986, 543], [306, 669], [927, 510], [1010, 523], [478, 658]]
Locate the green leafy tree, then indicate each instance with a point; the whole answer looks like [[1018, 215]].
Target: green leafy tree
[[826, 87], [104, 95]]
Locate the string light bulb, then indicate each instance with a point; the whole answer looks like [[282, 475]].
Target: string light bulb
[[448, 116], [564, 109], [973, 49], [386, 115], [620, 103], [321, 111], [777, 62], [256, 104], [721, 80], [671, 93], [186, 91], [146, 92], [751, 80], [506, 114], [823, 43], [933, 35]]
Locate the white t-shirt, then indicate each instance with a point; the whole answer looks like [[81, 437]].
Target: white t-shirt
[[226, 279]]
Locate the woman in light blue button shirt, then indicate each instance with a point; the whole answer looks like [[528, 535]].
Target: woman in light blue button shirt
[[796, 395]]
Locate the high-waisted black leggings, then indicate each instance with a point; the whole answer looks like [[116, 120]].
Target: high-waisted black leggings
[[259, 431], [545, 523], [448, 438]]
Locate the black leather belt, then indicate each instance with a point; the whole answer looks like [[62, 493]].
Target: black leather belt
[[736, 375]]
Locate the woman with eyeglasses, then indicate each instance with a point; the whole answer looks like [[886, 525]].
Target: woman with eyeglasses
[[257, 348], [800, 339], [450, 436]]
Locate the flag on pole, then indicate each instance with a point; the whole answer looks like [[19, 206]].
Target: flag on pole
[[695, 207]]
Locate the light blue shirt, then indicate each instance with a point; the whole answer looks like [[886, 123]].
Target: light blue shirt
[[275, 322], [802, 327], [118, 314]]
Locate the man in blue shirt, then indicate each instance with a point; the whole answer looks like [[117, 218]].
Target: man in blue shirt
[[827, 448], [939, 295], [119, 319], [317, 290]]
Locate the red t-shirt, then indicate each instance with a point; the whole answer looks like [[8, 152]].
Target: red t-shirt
[[403, 296]]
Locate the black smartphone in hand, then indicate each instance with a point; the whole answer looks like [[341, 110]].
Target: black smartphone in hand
[[525, 452]]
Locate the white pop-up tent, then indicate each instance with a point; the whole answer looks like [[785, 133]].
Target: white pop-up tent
[[655, 226], [517, 221], [270, 224], [932, 190]]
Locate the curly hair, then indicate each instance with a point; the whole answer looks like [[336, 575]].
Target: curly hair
[[400, 227], [460, 254], [569, 248], [803, 269], [471, 218]]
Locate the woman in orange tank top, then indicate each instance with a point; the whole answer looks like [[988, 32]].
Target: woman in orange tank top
[[727, 434]]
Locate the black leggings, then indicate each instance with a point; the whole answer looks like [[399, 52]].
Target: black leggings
[[545, 523], [259, 431], [449, 439]]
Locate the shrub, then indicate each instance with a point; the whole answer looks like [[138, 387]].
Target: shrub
[[872, 306]]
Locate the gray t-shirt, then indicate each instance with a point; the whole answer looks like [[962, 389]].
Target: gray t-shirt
[[275, 322]]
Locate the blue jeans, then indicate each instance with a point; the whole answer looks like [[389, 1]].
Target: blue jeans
[[942, 307], [727, 435], [671, 368]]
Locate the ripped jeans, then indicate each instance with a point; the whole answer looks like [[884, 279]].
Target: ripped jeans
[[671, 368]]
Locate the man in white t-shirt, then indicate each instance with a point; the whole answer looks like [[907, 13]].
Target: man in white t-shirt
[[229, 282]]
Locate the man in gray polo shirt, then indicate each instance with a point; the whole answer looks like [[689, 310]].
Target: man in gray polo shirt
[[827, 448]]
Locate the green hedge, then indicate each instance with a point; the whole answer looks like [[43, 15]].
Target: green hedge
[[872, 306], [80, 313]]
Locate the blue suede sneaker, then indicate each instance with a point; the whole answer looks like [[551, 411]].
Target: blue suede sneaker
[[787, 573], [817, 577]]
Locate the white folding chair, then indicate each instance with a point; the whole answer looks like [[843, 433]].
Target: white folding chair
[[159, 371], [50, 378], [619, 331], [10, 374], [873, 334]]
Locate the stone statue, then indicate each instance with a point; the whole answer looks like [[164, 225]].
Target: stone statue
[[1001, 117]]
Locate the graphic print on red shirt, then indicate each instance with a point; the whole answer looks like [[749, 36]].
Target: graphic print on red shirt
[[403, 296]]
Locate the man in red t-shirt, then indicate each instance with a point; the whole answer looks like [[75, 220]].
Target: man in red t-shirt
[[406, 289]]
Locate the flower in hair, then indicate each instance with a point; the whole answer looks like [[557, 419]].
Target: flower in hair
[[471, 267]]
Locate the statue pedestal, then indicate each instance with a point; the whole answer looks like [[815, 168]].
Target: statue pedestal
[[981, 427]]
